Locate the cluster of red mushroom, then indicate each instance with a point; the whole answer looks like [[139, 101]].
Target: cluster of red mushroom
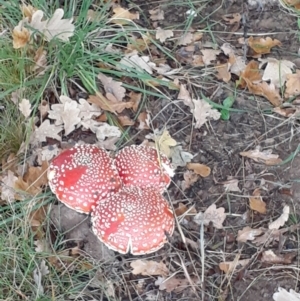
[[123, 194]]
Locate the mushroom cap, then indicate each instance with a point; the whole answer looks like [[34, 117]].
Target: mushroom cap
[[133, 220], [144, 166], [82, 176]]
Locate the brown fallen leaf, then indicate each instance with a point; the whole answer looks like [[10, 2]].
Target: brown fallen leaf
[[230, 266], [125, 120], [32, 182], [250, 73], [292, 84], [266, 90], [256, 202], [156, 14], [280, 221], [265, 157], [190, 178], [211, 214], [123, 16], [270, 257], [107, 105], [144, 121], [21, 36], [136, 99], [232, 18], [149, 268], [288, 110], [173, 284], [163, 34], [248, 233], [231, 185], [200, 169], [113, 87], [223, 72], [261, 45]]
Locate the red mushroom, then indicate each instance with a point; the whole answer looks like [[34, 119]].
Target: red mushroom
[[144, 166], [133, 220], [83, 175]]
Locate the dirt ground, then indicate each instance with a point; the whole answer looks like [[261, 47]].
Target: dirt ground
[[218, 145]]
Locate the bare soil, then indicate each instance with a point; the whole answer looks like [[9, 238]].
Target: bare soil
[[217, 145]]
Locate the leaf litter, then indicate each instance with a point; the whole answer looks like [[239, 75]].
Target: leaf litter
[[59, 120]]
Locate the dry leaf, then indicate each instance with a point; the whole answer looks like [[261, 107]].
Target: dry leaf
[[25, 107], [280, 221], [185, 96], [134, 61], [163, 141], [209, 55], [261, 45], [125, 120], [230, 266], [40, 60], [172, 284], [266, 90], [66, 113], [149, 268], [232, 18], [28, 11], [231, 185], [136, 99], [47, 130], [144, 121], [284, 295], [189, 179], [123, 16], [55, 27], [180, 157], [256, 203], [211, 214], [248, 233], [203, 112], [250, 74], [292, 84], [113, 87], [265, 157], [271, 258], [163, 35], [107, 105], [200, 169], [223, 72], [7, 187], [185, 39], [276, 70], [21, 36], [156, 14]]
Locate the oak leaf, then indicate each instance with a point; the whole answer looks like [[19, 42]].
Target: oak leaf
[[211, 214], [163, 34], [55, 27], [200, 169], [149, 268], [203, 112], [256, 202], [261, 45], [265, 157]]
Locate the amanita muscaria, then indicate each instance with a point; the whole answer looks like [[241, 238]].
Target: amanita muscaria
[[82, 176], [134, 220], [144, 166]]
